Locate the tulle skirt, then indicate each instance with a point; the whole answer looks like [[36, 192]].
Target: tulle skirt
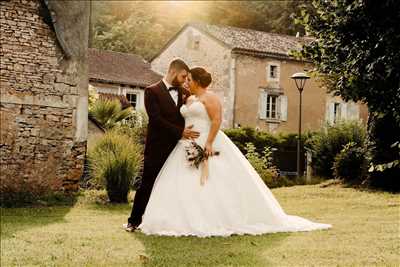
[[233, 200]]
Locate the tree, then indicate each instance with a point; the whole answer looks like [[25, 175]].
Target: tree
[[356, 51], [145, 27]]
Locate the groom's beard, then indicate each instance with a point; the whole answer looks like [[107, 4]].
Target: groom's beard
[[175, 82]]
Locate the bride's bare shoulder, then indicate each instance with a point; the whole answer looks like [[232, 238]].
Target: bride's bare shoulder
[[211, 99], [211, 96]]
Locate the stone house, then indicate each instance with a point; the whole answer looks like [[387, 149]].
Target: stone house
[[43, 103], [120, 74], [251, 75]]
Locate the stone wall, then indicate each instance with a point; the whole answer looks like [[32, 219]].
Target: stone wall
[[43, 104]]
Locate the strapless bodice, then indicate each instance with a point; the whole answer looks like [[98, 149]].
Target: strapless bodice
[[196, 114]]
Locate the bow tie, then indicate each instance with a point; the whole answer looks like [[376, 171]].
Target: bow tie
[[173, 89]]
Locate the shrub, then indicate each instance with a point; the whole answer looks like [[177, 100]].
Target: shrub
[[260, 139], [135, 126], [327, 143], [116, 161], [350, 163], [284, 145], [262, 164], [242, 136], [109, 113], [384, 150]]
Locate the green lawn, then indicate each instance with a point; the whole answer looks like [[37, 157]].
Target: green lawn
[[365, 233]]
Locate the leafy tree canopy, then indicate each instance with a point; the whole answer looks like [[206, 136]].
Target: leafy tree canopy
[[144, 27], [357, 50]]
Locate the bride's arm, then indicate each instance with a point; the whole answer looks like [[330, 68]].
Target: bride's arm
[[214, 110]]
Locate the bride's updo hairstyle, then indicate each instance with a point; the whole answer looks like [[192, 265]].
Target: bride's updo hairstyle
[[201, 76]]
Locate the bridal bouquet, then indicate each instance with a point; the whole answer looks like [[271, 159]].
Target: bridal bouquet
[[195, 155]]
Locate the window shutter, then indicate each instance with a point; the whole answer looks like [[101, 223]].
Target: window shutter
[[263, 105], [331, 113], [353, 112], [343, 111], [284, 105]]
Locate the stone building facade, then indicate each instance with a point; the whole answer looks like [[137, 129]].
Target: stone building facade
[[43, 105], [199, 49], [251, 73]]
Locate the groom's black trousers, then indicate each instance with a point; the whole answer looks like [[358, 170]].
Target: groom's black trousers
[[150, 172]]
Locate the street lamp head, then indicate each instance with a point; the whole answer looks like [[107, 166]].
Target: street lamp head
[[300, 79]]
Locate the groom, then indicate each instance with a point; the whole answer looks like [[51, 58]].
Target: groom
[[166, 126]]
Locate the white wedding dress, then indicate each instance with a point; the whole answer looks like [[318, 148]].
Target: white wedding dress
[[234, 199]]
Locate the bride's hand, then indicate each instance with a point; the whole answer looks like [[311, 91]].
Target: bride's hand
[[208, 149]]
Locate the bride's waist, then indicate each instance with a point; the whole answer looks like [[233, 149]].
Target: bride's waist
[[202, 127], [202, 139]]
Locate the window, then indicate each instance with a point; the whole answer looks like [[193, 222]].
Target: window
[[336, 112], [132, 99], [196, 41], [273, 71], [193, 41], [271, 107]]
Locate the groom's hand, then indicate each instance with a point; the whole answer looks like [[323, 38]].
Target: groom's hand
[[190, 134]]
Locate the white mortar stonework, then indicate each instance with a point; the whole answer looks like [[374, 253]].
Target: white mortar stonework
[[43, 103]]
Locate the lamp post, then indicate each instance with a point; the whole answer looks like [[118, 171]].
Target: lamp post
[[300, 80]]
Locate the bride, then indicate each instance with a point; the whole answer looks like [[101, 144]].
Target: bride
[[232, 200]]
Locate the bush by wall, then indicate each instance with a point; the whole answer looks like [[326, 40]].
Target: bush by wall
[[328, 142], [116, 161], [351, 164]]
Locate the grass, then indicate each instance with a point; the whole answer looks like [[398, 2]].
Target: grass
[[88, 233]]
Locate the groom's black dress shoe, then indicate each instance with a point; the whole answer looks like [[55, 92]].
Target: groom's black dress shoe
[[130, 227]]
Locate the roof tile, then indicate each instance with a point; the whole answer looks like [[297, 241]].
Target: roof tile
[[121, 68]]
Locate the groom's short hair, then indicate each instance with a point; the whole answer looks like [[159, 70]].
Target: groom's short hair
[[178, 64]]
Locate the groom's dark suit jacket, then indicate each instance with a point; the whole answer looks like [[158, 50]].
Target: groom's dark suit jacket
[[165, 122]]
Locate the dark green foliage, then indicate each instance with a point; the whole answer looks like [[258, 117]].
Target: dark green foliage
[[327, 143], [145, 27], [356, 52], [351, 164], [383, 149], [109, 113], [116, 161], [262, 163], [261, 139]]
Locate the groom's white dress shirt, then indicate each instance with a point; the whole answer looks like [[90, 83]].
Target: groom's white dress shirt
[[173, 93]]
